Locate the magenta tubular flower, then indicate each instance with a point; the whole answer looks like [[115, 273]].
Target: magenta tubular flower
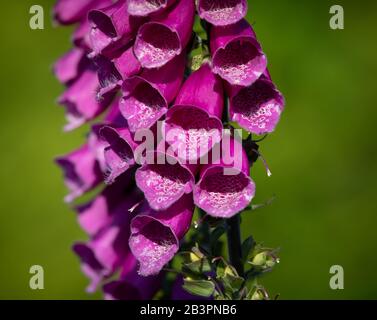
[[193, 124], [132, 286], [145, 8], [146, 97], [222, 12], [100, 211], [237, 55], [155, 235], [126, 64], [159, 41], [119, 153], [81, 36], [256, 108], [222, 193], [96, 144], [80, 100], [164, 181], [113, 116], [72, 11], [111, 73], [112, 27], [109, 78], [81, 171], [108, 249], [70, 65]]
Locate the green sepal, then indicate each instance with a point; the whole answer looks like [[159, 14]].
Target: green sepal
[[202, 288]]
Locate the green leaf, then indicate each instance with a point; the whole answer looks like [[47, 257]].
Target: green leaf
[[216, 235], [230, 270], [202, 288], [220, 269], [233, 283], [247, 247], [199, 28], [229, 277]]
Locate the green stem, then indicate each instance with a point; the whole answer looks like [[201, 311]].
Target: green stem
[[204, 225], [205, 231], [234, 243], [233, 233]]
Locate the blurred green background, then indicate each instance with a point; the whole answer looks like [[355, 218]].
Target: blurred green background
[[323, 155]]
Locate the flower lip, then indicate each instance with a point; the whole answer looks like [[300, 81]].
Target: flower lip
[[155, 51], [221, 195], [240, 62], [81, 170], [222, 12], [103, 22], [70, 65], [80, 100], [146, 7], [165, 183], [196, 131], [257, 108], [142, 103], [87, 255], [67, 12], [91, 267], [74, 117], [73, 180], [102, 33]]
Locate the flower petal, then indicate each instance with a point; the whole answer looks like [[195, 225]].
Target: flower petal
[[222, 12], [147, 7]]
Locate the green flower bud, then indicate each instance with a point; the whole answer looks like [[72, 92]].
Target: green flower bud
[[194, 257], [270, 263], [260, 259], [257, 295], [230, 271]]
